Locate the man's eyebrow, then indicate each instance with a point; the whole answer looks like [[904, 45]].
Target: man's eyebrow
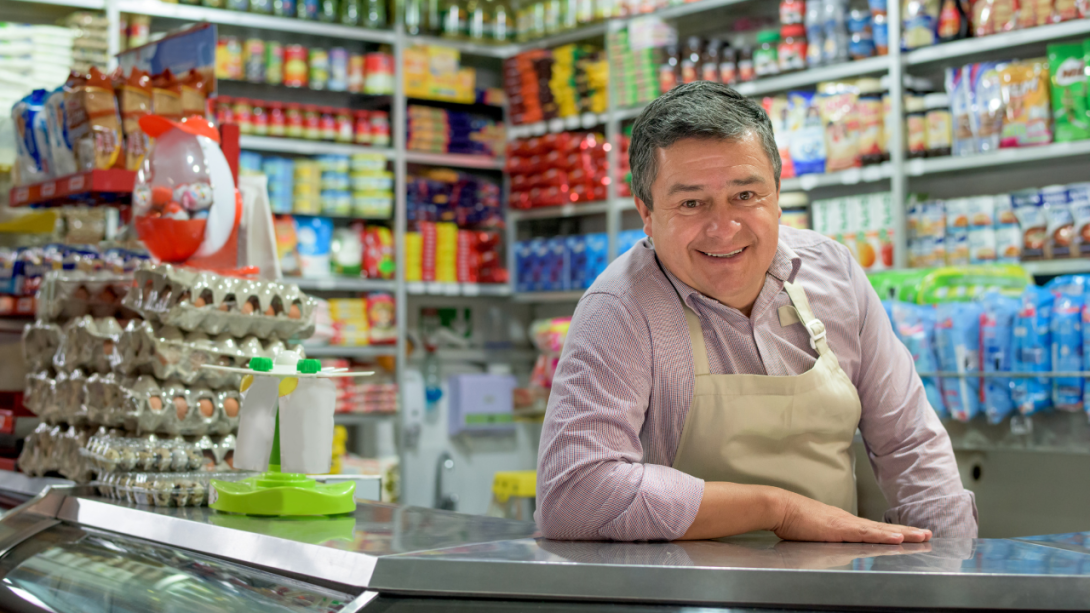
[[750, 180], [677, 188]]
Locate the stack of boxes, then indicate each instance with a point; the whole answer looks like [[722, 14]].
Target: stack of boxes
[[565, 263], [557, 169], [360, 394], [864, 224], [350, 323], [565, 82], [435, 73], [636, 70], [526, 81], [441, 252], [437, 130], [90, 47]]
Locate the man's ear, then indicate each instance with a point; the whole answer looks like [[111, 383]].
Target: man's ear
[[645, 214]]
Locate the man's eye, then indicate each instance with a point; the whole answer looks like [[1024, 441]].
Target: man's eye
[[746, 196], [690, 204]]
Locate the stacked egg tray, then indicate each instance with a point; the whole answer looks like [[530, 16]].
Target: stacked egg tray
[[163, 489]]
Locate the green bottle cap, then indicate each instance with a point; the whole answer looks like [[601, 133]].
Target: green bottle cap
[[309, 367], [768, 36], [261, 364]]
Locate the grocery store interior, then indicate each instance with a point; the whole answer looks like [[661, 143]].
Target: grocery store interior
[[425, 190]]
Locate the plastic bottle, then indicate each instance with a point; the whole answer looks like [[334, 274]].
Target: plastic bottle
[[953, 21], [861, 42], [835, 18], [552, 16], [668, 69], [746, 70], [792, 48], [728, 64], [766, 55], [815, 33], [327, 11], [916, 126], [503, 22], [413, 16], [433, 383], [350, 12], [940, 124], [478, 26], [374, 14], [872, 133], [690, 60], [454, 19], [792, 12], [709, 67]]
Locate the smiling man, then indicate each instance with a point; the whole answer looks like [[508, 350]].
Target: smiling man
[[715, 375]]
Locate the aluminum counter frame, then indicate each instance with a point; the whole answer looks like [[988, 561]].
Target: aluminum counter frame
[[413, 551]]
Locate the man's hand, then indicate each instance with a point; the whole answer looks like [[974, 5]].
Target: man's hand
[[803, 519]]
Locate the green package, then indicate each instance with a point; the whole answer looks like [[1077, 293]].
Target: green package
[[1067, 64]]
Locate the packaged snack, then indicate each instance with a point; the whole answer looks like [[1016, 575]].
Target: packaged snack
[[1079, 196], [378, 253], [1004, 210], [1061, 225], [1008, 244], [957, 213], [382, 315], [1032, 222], [957, 340], [1025, 87], [981, 211], [1066, 329], [194, 94], [94, 123], [778, 110], [315, 242], [836, 107], [1031, 348], [987, 106], [921, 19], [33, 154], [915, 326], [166, 94], [982, 245], [134, 100], [807, 134], [961, 105], [60, 144], [957, 247], [995, 345], [1067, 65]]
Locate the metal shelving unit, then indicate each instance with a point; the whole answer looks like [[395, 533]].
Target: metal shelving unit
[[307, 147], [543, 297], [469, 290], [1003, 157], [1057, 267], [556, 212], [454, 160], [1005, 42], [343, 284], [359, 419]]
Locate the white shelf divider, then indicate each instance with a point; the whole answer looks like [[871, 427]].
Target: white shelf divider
[[455, 160], [306, 147], [469, 290], [1003, 157], [556, 212], [362, 352], [1058, 267], [342, 284], [951, 52]]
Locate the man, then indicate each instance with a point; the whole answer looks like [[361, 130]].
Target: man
[[715, 375]]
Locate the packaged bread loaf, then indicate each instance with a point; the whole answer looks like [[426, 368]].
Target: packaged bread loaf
[[134, 95], [94, 124]]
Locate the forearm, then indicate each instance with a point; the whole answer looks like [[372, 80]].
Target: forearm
[[727, 509]]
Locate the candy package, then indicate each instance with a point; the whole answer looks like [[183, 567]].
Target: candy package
[[1067, 350], [836, 106], [1032, 218], [996, 323], [1070, 112], [957, 342], [807, 134], [958, 81], [378, 253], [60, 143], [1028, 110], [214, 304], [381, 314], [915, 326], [1032, 351]]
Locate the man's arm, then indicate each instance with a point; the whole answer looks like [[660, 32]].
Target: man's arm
[[907, 444]]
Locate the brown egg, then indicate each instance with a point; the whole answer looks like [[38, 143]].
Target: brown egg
[[199, 302], [107, 347], [156, 403], [270, 312], [206, 407], [294, 312], [223, 307], [107, 296], [247, 308], [230, 406], [180, 407], [81, 293]]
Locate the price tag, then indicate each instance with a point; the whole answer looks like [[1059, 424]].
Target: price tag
[[571, 122], [872, 173], [539, 129], [808, 182], [567, 210], [556, 125], [850, 176], [915, 167], [589, 120], [471, 289], [415, 287], [76, 183], [49, 189], [450, 289]]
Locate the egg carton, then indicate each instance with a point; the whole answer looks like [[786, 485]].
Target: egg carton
[[174, 408], [40, 343], [115, 452], [167, 352], [163, 489], [38, 393], [56, 448], [88, 343], [67, 294], [199, 300]]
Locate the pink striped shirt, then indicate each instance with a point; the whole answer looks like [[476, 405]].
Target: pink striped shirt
[[625, 381]]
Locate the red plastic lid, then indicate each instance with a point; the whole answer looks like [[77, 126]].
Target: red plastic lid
[[157, 125], [795, 30]]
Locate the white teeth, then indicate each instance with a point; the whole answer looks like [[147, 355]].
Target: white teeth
[[723, 255]]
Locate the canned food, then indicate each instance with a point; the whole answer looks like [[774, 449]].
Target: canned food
[[380, 128], [254, 60], [283, 8], [295, 66], [277, 120], [338, 69], [334, 164], [307, 9], [368, 163], [294, 124], [319, 69], [363, 128], [344, 126], [274, 63], [355, 73], [379, 68], [312, 122], [228, 58], [260, 121], [224, 112], [328, 125], [243, 111]]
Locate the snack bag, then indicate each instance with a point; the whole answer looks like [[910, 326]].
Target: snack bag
[[382, 316], [1066, 329], [1008, 244], [982, 245], [1028, 111], [1004, 210], [957, 247], [1067, 64], [987, 106], [995, 348], [134, 99], [1061, 225], [992, 16], [807, 145], [981, 211], [28, 115], [778, 110], [961, 106], [378, 253], [94, 124], [1031, 348], [167, 96], [957, 214], [60, 144], [838, 114], [1032, 222], [957, 340], [1079, 197], [915, 326]]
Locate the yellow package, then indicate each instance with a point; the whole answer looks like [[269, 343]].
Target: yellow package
[[1025, 86], [837, 109]]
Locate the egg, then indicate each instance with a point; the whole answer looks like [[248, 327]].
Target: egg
[[270, 312], [156, 403], [230, 406], [180, 407], [206, 407], [295, 312], [81, 293], [199, 302]]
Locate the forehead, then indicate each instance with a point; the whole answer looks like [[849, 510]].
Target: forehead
[[702, 157]]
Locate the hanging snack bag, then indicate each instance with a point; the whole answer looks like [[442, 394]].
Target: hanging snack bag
[[915, 326], [961, 107], [957, 339], [1028, 111], [1066, 329], [33, 162], [378, 253], [987, 106], [1079, 196], [1067, 64], [382, 315], [807, 134], [1061, 225], [134, 100], [93, 121], [60, 144], [995, 346], [1032, 351], [836, 106], [167, 96], [1032, 222]]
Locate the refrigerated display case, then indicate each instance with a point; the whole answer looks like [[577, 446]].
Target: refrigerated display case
[[67, 550]]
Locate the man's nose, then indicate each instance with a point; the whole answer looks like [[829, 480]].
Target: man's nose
[[722, 224]]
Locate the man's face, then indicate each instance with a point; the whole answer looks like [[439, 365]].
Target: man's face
[[716, 216]]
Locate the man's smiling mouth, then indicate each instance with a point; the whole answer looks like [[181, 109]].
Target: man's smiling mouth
[[725, 255]]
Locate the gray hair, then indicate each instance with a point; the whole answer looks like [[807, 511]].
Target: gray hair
[[695, 110]]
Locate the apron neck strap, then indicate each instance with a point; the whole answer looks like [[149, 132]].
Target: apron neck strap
[[813, 325]]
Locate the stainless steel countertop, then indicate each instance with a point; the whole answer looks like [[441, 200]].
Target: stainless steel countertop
[[416, 551]]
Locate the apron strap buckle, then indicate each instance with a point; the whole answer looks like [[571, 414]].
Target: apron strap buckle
[[816, 329]]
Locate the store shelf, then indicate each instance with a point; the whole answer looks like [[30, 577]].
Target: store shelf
[[241, 19], [546, 297], [417, 288], [359, 419], [363, 352], [1057, 267], [18, 483], [93, 5], [852, 176], [455, 160], [307, 147], [342, 284], [465, 46], [17, 307], [585, 121], [1003, 157], [1053, 432], [94, 187], [952, 52], [484, 356], [563, 38], [557, 212]]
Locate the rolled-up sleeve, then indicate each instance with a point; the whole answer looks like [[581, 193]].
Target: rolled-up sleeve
[[907, 445], [591, 481]]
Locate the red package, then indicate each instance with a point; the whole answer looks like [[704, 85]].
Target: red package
[[468, 257], [378, 253], [429, 239]]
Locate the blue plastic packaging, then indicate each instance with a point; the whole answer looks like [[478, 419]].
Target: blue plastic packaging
[[1066, 329], [1031, 351], [597, 256], [807, 134], [995, 351], [1072, 285], [524, 269], [915, 326], [957, 340], [577, 261]]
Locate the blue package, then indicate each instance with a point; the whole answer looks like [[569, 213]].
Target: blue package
[[807, 134], [915, 327], [555, 272], [957, 340], [249, 162], [1072, 285], [996, 326], [538, 263], [1031, 348], [31, 137], [1066, 329], [597, 256], [629, 239], [524, 253], [315, 245], [576, 247]]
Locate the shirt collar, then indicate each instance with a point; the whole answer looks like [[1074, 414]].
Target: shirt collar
[[784, 268]]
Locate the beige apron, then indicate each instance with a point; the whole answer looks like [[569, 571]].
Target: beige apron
[[790, 432]]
